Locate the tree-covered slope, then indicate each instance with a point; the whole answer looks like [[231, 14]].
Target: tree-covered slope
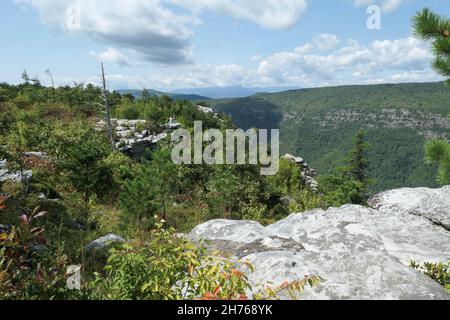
[[319, 124]]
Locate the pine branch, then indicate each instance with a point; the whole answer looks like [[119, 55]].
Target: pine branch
[[442, 65], [428, 25], [441, 47]]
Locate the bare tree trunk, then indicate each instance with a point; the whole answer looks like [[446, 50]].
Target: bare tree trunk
[[49, 73], [107, 111]]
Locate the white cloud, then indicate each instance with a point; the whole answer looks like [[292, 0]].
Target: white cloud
[[326, 41], [147, 27], [150, 31], [387, 5], [193, 76], [400, 60], [274, 14], [351, 63], [114, 57]]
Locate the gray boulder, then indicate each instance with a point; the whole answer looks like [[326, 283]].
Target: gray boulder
[[359, 253], [432, 204], [103, 242], [37, 155]]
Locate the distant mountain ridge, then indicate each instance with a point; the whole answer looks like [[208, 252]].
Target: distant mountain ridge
[[319, 124], [175, 96], [232, 92], [199, 94]]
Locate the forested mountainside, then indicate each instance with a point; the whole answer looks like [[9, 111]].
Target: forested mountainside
[[319, 124]]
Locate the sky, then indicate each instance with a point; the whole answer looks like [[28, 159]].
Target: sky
[[180, 44]]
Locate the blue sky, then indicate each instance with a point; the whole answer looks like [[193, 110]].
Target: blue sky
[[176, 44]]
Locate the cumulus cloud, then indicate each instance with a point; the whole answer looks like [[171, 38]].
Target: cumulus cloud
[[150, 31], [114, 57], [349, 62], [193, 76], [147, 27], [387, 5], [275, 14], [326, 41]]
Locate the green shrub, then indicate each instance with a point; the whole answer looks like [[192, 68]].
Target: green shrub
[[439, 272], [165, 267], [438, 151]]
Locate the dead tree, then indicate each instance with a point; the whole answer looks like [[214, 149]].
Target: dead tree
[[50, 75], [106, 111]]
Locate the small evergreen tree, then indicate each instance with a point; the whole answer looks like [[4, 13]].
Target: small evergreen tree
[[81, 154], [152, 189], [164, 175], [137, 198], [358, 162], [351, 183]]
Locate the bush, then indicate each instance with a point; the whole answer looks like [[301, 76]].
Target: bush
[[165, 267], [129, 111], [27, 272], [439, 272], [81, 154]]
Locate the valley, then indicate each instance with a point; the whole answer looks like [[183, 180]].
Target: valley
[[319, 124]]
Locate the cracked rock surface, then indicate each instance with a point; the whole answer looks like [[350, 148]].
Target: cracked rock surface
[[358, 252]]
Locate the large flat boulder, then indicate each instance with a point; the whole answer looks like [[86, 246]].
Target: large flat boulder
[[432, 204], [359, 253]]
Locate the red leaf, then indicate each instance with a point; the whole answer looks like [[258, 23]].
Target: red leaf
[[217, 291], [284, 285], [208, 296]]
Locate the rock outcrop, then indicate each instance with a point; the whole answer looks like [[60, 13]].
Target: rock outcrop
[[6, 175], [133, 138], [306, 172], [358, 252]]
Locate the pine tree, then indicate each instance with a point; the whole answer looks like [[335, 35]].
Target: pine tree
[[152, 189], [432, 27], [164, 175], [137, 198], [81, 154], [351, 183], [358, 162]]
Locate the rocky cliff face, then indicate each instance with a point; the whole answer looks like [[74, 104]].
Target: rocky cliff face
[[359, 253], [133, 137], [306, 172]]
